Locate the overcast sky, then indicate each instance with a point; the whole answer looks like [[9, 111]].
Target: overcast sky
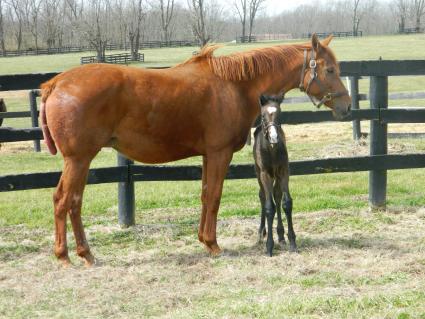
[[273, 7]]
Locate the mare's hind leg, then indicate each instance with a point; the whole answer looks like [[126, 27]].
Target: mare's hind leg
[[288, 212], [68, 199], [277, 194]]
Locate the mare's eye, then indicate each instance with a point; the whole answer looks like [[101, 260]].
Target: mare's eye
[[331, 70]]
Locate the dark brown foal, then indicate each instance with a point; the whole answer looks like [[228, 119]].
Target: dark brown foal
[[272, 169]]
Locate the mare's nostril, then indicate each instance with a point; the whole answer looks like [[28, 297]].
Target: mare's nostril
[[349, 108]]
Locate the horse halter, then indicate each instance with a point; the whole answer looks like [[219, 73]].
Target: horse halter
[[313, 76]]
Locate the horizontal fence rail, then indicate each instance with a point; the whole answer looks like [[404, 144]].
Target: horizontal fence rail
[[109, 47], [191, 173], [16, 82], [411, 115]]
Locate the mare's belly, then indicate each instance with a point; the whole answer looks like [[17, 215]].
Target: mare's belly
[[153, 151]]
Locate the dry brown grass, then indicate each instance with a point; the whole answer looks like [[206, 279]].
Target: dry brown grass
[[352, 264]]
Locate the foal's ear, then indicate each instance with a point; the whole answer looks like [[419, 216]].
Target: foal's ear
[[280, 98], [315, 42], [263, 100]]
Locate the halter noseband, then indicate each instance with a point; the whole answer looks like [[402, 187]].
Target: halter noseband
[[313, 76]]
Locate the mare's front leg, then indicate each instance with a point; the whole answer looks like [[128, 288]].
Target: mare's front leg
[[269, 207], [203, 199], [218, 163]]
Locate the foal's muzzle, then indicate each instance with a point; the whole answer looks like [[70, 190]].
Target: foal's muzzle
[[272, 133]]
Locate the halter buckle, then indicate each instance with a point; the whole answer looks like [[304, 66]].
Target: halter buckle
[[313, 64]]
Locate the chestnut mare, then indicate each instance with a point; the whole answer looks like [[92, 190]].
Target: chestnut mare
[[204, 106]]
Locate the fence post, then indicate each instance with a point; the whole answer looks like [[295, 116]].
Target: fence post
[[126, 198], [34, 116], [378, 142], [355, 105]]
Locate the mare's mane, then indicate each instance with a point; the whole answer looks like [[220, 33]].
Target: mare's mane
[[242, 66], [247, 65]]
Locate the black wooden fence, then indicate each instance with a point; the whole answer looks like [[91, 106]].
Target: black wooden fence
[[109, 47], [336, 34], [119, 58], [126, 173]]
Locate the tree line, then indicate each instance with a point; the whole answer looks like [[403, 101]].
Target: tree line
[[32, 24]]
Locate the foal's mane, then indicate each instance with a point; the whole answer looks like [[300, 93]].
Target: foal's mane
[[247, 65]]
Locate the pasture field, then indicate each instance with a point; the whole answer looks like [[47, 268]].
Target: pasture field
[[352, 263]]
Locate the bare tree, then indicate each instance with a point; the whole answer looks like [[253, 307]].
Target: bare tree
[[254, 6], [52, 15], [73, 11], [241, 10], [167, 12], [198, 13], [96, 26], [35, 7], [134, 27], [206, 20], [2, 37], [418, 7], [18, 14], [356, 18], [401, 8]]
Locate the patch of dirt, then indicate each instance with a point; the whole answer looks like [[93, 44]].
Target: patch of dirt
[[14, 94], [17, 147]]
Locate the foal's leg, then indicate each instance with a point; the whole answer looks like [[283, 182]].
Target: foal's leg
[[218, 163], [68, 199], [270, 209], [203, 200], [262, 230], [277, 194], [288, 212]]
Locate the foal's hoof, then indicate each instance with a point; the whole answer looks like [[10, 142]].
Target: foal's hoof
[[293, 249], [281, 244], [269, 248], [261, 235]]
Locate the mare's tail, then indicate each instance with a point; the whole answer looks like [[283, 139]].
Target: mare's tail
[[47, 89]]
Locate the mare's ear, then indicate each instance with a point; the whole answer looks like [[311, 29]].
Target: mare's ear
[[263, 100], [326, 41], [315, 43]]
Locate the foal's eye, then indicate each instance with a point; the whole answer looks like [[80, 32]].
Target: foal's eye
[[331, 70]]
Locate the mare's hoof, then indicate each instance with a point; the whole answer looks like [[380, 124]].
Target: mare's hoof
[[89, 260], [213, 249], [65, 262]]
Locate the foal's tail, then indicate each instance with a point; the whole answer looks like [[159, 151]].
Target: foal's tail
[[46, 89]]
